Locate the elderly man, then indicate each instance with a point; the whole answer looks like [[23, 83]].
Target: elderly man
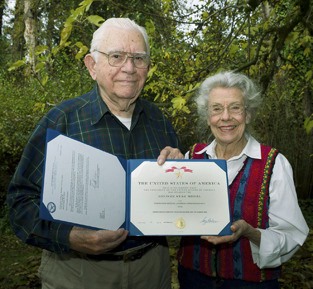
[[111, 117]]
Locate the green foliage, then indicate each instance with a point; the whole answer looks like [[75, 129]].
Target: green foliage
[[16, 121], [4, 221], [308, 124], [75, 16], [26, 98]]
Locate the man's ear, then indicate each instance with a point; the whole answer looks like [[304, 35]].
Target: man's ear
[[90, 64]]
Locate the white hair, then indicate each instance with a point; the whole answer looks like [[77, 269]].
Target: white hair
[[228, 79], [124, 23]]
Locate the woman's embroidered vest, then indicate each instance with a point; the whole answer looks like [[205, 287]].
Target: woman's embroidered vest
[[249, 199]]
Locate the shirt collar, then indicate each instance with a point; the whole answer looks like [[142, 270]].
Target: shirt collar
[[99, 108], [252, 149]]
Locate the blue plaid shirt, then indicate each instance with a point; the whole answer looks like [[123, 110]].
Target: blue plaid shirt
[[87, 119]]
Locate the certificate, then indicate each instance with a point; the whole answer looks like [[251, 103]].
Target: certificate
[[188, 197], [88, 187]]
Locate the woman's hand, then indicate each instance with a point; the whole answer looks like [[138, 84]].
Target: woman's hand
[[239, 228]]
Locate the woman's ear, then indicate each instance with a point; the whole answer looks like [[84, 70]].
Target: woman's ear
[[90, 64]]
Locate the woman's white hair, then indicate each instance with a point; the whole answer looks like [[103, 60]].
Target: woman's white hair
[[227, 79]]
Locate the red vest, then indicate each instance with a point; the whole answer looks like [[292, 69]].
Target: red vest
[[249, 200]]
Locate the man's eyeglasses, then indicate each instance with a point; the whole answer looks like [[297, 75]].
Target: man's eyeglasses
[[118, 59], [232, 109]]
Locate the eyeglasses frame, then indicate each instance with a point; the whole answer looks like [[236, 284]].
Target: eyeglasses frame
[[128, 55]]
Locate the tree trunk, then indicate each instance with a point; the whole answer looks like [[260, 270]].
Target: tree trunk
[[17, 33], [2, 3], [30, 30]]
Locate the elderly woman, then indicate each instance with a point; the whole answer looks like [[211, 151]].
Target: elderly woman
[[267, 224]]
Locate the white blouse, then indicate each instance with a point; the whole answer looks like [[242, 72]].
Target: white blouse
[[287, 229]]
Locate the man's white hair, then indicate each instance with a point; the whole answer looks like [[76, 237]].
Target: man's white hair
[[124, 23]]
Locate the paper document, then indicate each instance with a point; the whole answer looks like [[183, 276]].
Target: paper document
[[89, 187]]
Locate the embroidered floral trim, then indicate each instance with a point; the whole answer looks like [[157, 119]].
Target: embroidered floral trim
[[265, 184]]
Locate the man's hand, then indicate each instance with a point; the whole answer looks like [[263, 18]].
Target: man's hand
[[95, 242], [169, 153]]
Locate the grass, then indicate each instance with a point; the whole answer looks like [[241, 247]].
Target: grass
[[18, 264]]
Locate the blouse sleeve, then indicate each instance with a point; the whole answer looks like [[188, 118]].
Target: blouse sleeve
[[287, 229]]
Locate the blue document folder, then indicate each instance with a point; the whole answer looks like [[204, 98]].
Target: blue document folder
[[87, 187]]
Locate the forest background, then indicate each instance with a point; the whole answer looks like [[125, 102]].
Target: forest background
[[43, 43]]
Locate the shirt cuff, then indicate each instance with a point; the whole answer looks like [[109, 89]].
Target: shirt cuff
[[59, 236]]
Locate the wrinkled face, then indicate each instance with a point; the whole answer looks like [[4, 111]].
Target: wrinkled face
[[227, 115], [120, 84]]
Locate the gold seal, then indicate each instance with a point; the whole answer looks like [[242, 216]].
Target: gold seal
[[180, 223]]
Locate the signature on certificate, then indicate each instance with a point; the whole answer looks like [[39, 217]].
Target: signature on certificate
[[207, 220]]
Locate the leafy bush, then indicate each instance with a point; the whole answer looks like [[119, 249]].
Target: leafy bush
[[24, 100]]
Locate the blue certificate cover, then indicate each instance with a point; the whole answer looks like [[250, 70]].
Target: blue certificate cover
[[88, 187]]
